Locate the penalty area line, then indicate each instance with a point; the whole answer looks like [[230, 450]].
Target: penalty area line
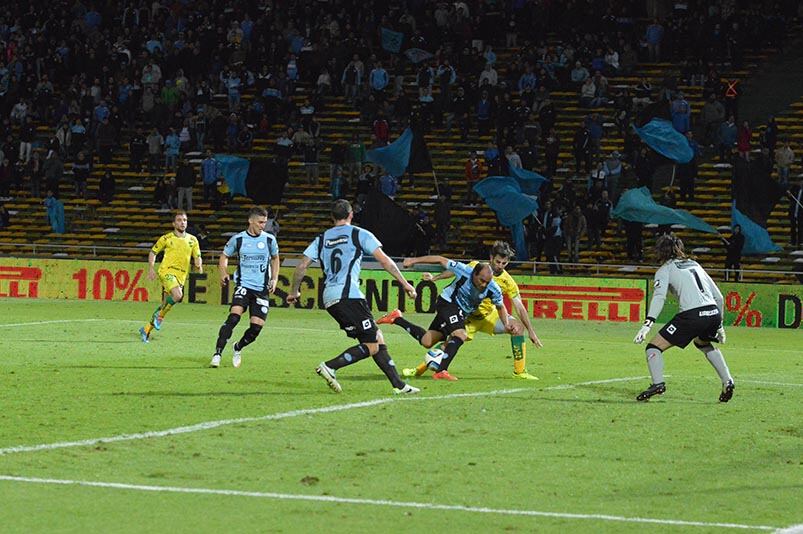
[[380, 502]]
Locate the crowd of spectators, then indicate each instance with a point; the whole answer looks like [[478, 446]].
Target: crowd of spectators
[[104, 75]]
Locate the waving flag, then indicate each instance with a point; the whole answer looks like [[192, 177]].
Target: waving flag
[[654, 126], [417, 55], [755, 194], [391, 41], [504, 195], [407, 153], [529, 181], [234, 171], [638, 205], [391, 224]]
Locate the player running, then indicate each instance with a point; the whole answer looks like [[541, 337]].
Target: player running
[[461, 298], [255, 278], [339, 251], [486, 319], [699, 317], [178, 247]]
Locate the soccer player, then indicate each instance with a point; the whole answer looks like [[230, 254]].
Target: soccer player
[[699, 317], [339, 251], [458, 300], [486, 319], [254, 279], [178, 247]]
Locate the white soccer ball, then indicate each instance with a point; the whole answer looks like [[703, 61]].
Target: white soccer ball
[[434, 357]]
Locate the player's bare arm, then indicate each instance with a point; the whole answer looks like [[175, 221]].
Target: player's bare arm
[[298, 275], [275, 263], [223, 268], [409, 262], [390, 266], [199, 264], [429, 277], [151, 266], [505, 318], [524, 317]]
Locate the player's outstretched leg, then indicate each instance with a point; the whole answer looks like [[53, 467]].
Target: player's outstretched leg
[[519, 348], [223, 336], [326, 370], [421, 368], [248, 337], [450, 349], [385, 362], [717, 361], [396, 317], [655, 362]]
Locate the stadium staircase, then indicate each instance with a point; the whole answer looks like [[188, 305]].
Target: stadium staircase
[[130, 223]]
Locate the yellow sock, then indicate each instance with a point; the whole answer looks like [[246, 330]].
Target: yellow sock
[[168, 305], [421, 369], [148, 328], [519, 349]]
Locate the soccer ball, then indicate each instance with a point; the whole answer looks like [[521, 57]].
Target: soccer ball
[[433, 358]]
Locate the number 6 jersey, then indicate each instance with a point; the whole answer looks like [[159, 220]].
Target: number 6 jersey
[[688, 282], [339, 251]]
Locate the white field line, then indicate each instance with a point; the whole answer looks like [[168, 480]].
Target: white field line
[[768, 383], [208, 425], [794, 529], [381, 502], [36, 323]]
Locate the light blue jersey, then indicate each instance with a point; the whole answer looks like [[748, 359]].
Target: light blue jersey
[[463, 293], [255, 253], [339, 250]]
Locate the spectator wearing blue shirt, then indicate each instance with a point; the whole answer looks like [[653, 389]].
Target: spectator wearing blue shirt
[[210, 172], [727, 137], [388, 185], [528, 80], [653, 37], [458, 300], [681, 114], [172, 146], [378, 79]]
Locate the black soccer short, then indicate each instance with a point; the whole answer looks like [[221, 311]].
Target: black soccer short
[[255, 302], [354, 317], [448, 317], [700, 322]]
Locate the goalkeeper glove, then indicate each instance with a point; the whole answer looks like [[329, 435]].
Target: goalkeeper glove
[[721, 334], [645, 329]]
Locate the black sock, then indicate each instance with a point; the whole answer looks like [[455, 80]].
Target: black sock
[[248, 337], [450, 351], [384, 361], [349, 356], [225, 332], [413, 329]]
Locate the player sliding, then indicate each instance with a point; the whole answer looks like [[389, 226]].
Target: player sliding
[[459, 299], [178, 247], [339, 251], [486, 319], [699, 317], [255, 278]]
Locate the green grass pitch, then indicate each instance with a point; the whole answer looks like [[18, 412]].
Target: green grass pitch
[[572, 452]]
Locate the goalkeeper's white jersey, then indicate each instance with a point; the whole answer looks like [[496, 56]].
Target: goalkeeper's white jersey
[[688, 282]]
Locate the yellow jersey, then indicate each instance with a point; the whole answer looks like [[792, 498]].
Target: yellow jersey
[[178, 251], [509, 287]]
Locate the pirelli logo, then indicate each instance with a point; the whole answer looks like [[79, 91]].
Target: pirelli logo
[[19, 282], [584, 303]]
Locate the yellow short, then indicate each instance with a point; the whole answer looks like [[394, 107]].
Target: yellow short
[[486, 324], [170, 281]]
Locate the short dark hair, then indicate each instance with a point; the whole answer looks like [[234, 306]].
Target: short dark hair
[[479, 268], [341, 209], [502, 248], [179, 212], [257, 211]]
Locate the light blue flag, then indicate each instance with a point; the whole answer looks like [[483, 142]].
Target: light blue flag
[[756, 238], [638, 205], [394, 157], [391, 41], [529, 181], [417, 55], [504, 195], [235, 170], [662, 137]]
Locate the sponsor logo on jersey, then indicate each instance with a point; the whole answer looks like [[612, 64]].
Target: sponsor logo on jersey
[[338, 241]]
